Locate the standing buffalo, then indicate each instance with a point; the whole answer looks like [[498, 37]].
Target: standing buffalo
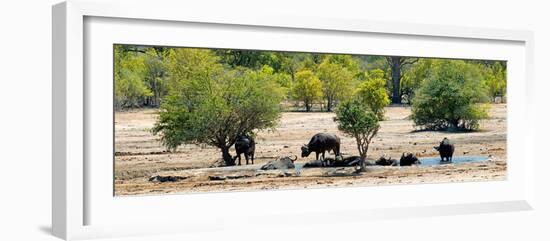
[[446, 150], [409, 159], [245, 145], [320, 143]]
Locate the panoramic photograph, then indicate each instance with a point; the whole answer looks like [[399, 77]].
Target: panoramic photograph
[[199, 120]]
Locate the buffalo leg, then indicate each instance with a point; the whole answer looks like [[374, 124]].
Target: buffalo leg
[[239, 156], [246, 157], [325, 160], [252, 158]]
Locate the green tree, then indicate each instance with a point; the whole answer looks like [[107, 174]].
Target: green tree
[[372, 92], [451, 97], [282, 78], [189, 67], [157, 73], [496, 79], [337, 81], [397, 65], [357, 120], [414, 76], [307, 88], [129, 74], [253, 59], [213, 106]]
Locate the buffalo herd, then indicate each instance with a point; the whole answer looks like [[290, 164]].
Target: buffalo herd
[[327, 142]]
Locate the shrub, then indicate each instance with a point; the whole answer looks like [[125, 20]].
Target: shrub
[[451, 97], [307, 88], [372, 92], [213, 106], [357, 120]]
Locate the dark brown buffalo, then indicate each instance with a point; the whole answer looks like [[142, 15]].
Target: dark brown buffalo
[[409, 159], [245, 145], [320, 143], [446, 150], [383, 161]]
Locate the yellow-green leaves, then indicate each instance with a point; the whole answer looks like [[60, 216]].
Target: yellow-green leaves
[[337, 79], [372, 92], [129, 72], [307, 88]]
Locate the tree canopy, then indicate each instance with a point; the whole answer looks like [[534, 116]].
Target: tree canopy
[[357, 120], [451, 97], [307, 88], [443, 93], [212, 105]]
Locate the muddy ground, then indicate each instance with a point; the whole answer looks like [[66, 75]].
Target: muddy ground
[[139, 155]]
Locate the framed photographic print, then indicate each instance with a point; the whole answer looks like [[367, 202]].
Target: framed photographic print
[[203, 122]]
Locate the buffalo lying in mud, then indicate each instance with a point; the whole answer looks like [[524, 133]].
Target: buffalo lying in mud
[[446, 150], [281, 163], [245, 145], [340, 162], [409, 159], [320, 143], [383, 161]]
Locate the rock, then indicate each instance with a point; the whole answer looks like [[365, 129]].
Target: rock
[[281, 163], [285, 146], [159, 178]]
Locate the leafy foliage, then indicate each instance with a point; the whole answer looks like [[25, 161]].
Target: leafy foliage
[[337, 78], [372, 92], [495, 78], [413, 78], [129, 70], [307, 88], [450, 97], [357, 120], [213, 106]]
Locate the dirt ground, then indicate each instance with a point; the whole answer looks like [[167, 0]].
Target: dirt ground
[[139, 155]]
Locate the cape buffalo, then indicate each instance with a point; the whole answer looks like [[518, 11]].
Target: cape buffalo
[[408, 160], [446, 150], [320, 143], [245, 145], [383, 161]]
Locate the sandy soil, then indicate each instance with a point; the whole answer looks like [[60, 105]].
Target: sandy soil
[[139, 155]]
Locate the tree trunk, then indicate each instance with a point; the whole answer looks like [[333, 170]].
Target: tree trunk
[[396, 79], [329, 104], [362, 154], [227, 157]]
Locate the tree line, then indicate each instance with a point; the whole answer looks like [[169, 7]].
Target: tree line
[[144, 75]]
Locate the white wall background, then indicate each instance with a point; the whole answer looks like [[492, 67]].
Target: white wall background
[[25, 118]]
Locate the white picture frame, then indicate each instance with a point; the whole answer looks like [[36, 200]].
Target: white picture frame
[[78, 195]]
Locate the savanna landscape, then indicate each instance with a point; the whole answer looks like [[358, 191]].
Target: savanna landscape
[[183, 114]]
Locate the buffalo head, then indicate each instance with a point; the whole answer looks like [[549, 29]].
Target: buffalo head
[[305, 151]]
